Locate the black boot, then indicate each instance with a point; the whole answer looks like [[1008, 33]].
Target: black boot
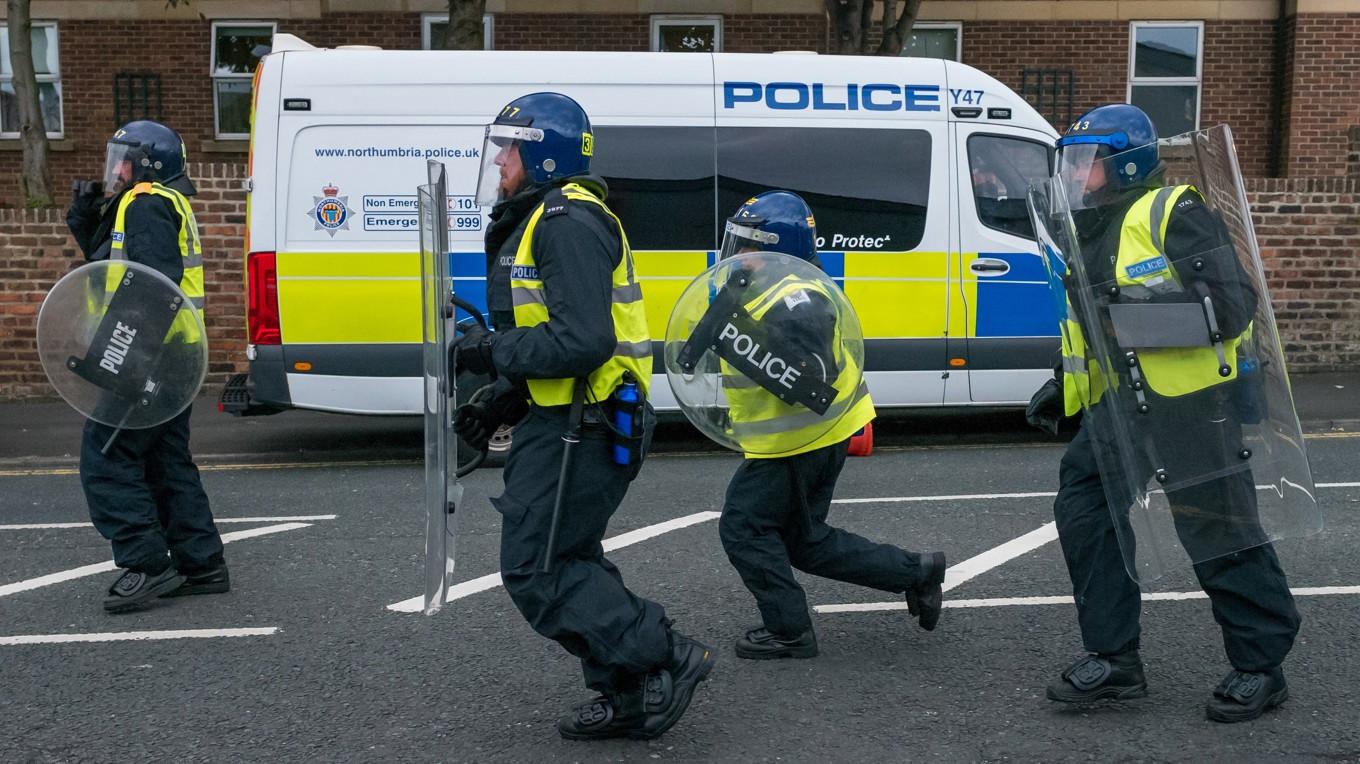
[[926, 599], [135, 589], [667, 692], [1101, 677], [763, 644], [1245, 695], [607, 716], [211, 581]]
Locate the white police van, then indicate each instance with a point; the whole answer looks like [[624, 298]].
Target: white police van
[[916, 170]]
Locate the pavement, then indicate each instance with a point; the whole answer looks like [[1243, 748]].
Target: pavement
[[48, 431], [315, 656]]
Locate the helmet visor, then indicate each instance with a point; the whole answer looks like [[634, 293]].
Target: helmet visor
[[743, 235], [119, 161], [502, 173], [1086, 173]]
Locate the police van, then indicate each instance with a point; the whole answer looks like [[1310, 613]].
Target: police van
[[916, 171]]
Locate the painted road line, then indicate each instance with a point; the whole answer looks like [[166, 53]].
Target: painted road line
[[66, 526], [232, 467], [104, 567], [136, 636], [975, 566], [485, 583], [869, 607], [990, 496]]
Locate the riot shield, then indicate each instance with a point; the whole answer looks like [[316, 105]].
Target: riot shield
[[122, 344], [1179, 366], [442, 490], [764, 353]]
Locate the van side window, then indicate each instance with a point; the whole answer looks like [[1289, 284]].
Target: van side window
[[868, 188], [660, 184], [1002, 168]]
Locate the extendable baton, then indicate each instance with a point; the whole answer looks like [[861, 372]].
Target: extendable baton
[[570, 438]]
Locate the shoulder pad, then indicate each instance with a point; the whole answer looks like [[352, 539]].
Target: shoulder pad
[[554, 203]]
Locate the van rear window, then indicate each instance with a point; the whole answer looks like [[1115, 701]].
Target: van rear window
[[868, 188]]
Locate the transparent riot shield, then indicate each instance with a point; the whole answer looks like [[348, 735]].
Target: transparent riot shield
[[122, 344], [1178, 361], [443, 492], [764, 353]]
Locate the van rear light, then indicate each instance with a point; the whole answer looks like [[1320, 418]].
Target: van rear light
[[262, 293]]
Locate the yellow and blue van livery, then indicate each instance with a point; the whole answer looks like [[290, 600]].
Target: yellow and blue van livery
[[917, 171]]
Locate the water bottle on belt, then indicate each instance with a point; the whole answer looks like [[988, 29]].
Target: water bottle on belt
[[626, 412]]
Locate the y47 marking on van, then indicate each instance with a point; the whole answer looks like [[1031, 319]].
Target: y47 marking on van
[[961, 95]]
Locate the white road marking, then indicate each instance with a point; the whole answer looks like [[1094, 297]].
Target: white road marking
[[868, 607], [65, 526], [467, 588], [124, 636], [975, 566], [104, 567], [988, 496]]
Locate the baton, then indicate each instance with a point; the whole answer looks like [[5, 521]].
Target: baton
[[570, 438]]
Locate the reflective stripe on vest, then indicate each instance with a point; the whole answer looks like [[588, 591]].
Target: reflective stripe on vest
[[190, 250], [1169, 372], [633, 351], [767, 427]]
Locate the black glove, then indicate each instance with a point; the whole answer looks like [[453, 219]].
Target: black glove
[[1046, 408], [501, 402], [82, 217], [472, 351]]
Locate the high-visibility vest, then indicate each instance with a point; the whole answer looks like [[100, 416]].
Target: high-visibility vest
[[1143, 266], [768, 428], [633, 351], [190, 250]]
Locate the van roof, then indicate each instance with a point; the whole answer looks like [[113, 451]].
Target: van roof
[[821, 86]]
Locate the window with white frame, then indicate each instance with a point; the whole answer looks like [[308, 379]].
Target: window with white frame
[[434, 26], [935, 39], [687, 34], [237, 46], [46, 64], [1165, 62]]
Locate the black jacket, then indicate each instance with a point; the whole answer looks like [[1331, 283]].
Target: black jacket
[[151, 235], [576, 251]]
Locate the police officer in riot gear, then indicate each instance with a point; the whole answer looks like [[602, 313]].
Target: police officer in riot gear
[[144, 494], [578, 335], [774, 516], [1129, 221]]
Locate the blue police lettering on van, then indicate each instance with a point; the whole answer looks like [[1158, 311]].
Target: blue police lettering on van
[[793, 96]]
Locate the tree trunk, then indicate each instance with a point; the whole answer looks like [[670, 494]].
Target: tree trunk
[[35, 179], [849, 19], [465, 25], [897, 31]]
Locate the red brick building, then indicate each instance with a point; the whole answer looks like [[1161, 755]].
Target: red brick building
[[1282, 73]]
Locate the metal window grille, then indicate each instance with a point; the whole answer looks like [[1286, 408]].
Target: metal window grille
[[136, 96], [1050, 92]]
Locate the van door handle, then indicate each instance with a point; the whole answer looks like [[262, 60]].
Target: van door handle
[[989, 267]]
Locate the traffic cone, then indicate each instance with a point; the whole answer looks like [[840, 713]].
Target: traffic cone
[[862, 442]]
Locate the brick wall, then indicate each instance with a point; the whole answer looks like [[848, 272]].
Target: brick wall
[[1309, 232], [1324, 98], [36, 250], [1236, 80]]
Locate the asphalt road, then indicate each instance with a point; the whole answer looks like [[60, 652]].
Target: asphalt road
[[330, 673]]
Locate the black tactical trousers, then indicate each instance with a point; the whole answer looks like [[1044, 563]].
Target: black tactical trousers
[[582, 604], [774, 520], [145, 496], [1250, 599]]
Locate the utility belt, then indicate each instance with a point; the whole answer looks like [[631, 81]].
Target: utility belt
[[623, 415]]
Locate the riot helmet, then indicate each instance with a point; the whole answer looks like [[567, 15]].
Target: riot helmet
[[775, 221], [535, 140], [146, 151], [1107, 151]]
